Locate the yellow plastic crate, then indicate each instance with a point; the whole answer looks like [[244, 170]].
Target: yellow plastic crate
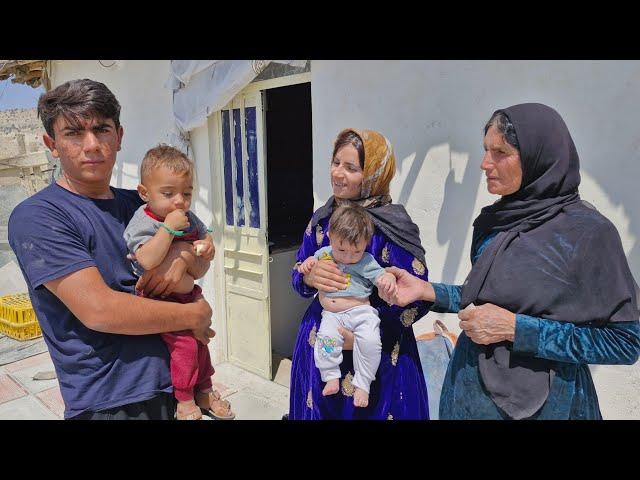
[[17, 318]]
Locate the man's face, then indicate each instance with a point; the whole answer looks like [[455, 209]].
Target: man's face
[[87, 149]]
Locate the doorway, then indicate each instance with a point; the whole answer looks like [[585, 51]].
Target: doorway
[[289, 165], [266, 180]]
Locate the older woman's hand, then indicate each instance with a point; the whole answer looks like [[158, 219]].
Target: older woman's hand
[[325, 276], [488, 323], [409, 289]]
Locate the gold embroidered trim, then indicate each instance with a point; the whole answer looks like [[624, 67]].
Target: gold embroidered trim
[[394, 354], [319, 235], [408, 316], [312, 336], [418, 267], [347, 387], [385, 254]]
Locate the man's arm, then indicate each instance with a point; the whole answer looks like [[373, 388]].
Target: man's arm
[[102, 309]]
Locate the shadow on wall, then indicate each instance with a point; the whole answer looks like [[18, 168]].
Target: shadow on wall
[[412, 176], [462, 188], [457, 212], [459, 194]]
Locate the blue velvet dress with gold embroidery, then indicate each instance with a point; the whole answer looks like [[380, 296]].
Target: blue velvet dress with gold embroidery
[[399, 390]]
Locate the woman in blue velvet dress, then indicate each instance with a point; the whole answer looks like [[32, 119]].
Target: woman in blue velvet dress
[[550, 290], [362, 167]]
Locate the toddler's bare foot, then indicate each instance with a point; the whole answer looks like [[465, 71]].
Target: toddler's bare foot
[[331, 387], [360, 398], [188, 411]]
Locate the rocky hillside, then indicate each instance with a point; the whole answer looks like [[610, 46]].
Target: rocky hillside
[[20, 121]]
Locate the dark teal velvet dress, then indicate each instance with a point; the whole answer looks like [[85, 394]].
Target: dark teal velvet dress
[[572, 347]]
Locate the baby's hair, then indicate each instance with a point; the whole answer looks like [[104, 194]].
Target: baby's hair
[[351, 223], [165, 156]]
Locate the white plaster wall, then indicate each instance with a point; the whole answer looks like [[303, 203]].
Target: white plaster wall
[[202, 206], [433, 112]]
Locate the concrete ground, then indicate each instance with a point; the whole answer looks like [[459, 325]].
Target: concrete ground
[[252, 397], [23, 398]]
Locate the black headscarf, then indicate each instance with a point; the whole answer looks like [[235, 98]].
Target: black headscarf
[[554, 256]]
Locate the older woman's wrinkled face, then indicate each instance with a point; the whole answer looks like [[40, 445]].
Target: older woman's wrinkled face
[[501, 164], [346, 174]]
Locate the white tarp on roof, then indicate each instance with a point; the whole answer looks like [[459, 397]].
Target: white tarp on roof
[[201, 87], [183, 70]]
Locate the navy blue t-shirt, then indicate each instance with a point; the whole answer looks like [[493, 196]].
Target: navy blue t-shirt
[[56, 232]]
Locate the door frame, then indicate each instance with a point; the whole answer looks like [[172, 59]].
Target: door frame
[[214, 127]]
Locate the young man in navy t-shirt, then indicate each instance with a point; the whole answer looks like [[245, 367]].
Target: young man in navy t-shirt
[[68, 240]]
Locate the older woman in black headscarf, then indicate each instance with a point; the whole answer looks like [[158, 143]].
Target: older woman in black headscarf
[[550, 290]]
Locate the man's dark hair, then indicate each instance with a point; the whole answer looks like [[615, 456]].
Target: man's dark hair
[[75, 100]]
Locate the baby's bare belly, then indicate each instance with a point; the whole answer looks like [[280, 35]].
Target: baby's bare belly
[[339, 304]]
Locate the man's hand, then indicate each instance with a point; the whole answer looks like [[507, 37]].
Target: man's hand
[[154, 281], [201, 312], [306, 266], [488, 323], [325, 276], [387, 286], [177, 220], [204, 248]]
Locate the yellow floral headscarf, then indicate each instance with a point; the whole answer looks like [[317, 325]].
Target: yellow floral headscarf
[[379, 163]]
